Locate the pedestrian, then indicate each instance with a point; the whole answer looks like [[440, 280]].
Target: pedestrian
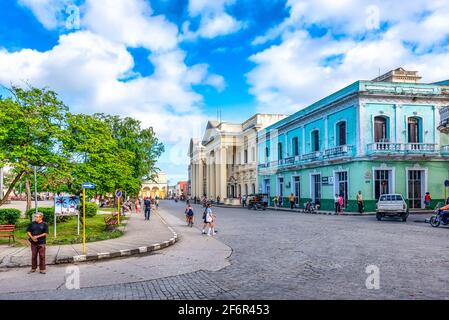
[[276, 202], [157, 203], [37, 232], [341, 203], [447, 200], [147, 204], [207, 218], [265, 201], [211, 218], [292, 201], [427, 199], [189, 213], [218, 199], [244, 200], [337, 204], [360, 201]]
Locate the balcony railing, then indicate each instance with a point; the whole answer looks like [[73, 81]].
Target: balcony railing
[[388, 147], [312, 156], [445, 149], [338, 151]]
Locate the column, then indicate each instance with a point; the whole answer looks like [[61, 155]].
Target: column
[[217, 174], [199, 180], [326, 134], [303, 149], [222, 172]]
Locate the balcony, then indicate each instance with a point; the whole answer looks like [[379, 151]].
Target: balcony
[[444, 150], [400, 148], [312, 156], [339, 151]]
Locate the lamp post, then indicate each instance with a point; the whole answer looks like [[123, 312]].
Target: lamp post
[[35, 187]]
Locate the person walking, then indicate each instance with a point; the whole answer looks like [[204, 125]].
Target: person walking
[[157, 203], [427, 199], [276, 202], [244, 201], [189, 213], [207, 218], [37, 232], [341, 203], [337, 204], [211, 219], [359, 198], [147, 204], [292, 201]]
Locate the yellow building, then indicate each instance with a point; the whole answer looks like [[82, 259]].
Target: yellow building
[[156, 188]]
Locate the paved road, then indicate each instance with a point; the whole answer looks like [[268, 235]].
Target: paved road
[[275, 255]]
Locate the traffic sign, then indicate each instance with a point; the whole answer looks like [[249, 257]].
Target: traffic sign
[[118, 193], [88, 185]]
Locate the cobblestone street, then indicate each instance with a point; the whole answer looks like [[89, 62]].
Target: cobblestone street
[[276, 255]]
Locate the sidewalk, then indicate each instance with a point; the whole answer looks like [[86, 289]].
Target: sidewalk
[[140, 236], [297, 210]]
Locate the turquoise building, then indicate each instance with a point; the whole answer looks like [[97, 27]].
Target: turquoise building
[[376, 136]]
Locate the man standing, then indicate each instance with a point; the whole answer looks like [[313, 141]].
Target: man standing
[[37, 232], [360, 201], [147, 204], [244, 201], [292, 201]]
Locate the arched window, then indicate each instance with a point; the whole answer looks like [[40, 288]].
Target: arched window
[[414, 130], [315, 140], [340, 137], [381, 129]]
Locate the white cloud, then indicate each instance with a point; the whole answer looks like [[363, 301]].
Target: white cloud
[[303, 69], [48, 12], [130, 22], [86, 68], [215, 21]]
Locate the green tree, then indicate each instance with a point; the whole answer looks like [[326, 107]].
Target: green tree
[[142, 143], [32, 122]]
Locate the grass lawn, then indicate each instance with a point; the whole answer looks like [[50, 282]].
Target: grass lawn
[[67, 232]]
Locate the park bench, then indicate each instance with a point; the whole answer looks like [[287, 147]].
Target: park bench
[[7, 230], [111, 221]]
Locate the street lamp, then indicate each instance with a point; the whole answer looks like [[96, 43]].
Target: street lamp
[[35, 187]]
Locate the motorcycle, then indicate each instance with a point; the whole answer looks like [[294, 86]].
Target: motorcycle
[[438, 218]]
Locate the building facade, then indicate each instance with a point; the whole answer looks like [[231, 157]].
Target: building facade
[[375, 136], [224, 163], [157, 188]]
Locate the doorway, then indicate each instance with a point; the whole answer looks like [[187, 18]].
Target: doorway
[[415, 188]]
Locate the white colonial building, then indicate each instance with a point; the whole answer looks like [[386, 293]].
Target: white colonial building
[[224, 163]]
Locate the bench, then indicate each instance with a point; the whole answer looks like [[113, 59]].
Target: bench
[[111, 221], [7, 230]]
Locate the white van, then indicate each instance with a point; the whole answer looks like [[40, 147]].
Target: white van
[[391, 205]]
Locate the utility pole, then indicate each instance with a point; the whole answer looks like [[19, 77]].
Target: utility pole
[[35, 188]]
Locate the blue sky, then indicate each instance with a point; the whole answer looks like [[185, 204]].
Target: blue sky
[[172, 64]]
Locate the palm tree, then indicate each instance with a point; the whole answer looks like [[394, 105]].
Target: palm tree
[[61, 201]]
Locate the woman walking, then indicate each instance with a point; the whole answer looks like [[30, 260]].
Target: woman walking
[[337, 203]]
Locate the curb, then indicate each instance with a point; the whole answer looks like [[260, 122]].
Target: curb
[[123, 253], [113, 254], [331, 213]]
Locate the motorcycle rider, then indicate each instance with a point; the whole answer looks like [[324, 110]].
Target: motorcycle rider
[[444, 211]]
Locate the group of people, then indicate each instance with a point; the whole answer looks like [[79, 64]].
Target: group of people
[[209, 218]]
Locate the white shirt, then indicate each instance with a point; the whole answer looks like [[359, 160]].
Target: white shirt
[[208, 215]]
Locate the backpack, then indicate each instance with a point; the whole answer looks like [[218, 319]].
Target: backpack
[[190, 212], [204, 214]]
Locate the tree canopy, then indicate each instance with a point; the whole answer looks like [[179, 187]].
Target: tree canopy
[[37, 129]]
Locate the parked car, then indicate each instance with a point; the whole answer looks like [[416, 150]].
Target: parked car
[[391, 205]]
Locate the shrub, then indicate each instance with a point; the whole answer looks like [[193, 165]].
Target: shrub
[[91, 209], [48, 213], [9, 216]]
